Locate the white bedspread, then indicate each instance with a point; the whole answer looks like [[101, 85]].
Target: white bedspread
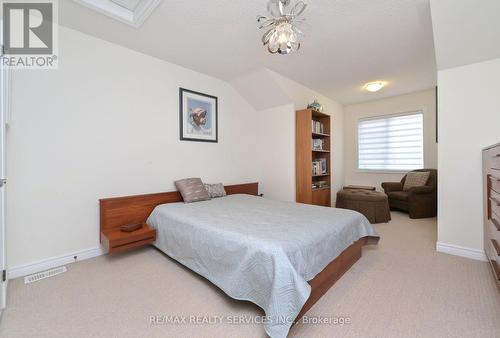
[[258, 249]]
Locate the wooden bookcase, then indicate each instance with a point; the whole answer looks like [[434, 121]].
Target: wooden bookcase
[[305, 155]]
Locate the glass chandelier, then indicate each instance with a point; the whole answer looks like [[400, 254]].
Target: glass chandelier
[[282, 34]]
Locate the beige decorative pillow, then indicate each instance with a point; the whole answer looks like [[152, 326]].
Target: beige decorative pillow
[[416, 179], [192, 190], [215, 190]]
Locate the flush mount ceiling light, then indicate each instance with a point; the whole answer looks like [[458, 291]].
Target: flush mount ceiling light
[[282, 34], [375, 86]]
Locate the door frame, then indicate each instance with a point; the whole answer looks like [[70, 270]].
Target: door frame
[[5, 77]]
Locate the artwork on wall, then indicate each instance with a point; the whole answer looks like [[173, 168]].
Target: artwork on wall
[[198, 116]]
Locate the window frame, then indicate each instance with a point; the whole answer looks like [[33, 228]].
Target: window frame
[[386, 116]]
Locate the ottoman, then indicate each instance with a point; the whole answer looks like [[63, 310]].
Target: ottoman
[[373, 204]]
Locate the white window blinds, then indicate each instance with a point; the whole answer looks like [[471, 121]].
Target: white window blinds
[[391, 143]]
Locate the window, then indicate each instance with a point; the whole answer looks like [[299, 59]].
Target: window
[[391, 143], [132, 12]]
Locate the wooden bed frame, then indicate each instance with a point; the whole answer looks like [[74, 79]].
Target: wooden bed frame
[[118, 211]]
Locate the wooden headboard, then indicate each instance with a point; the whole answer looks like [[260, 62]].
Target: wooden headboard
[[118, 211]]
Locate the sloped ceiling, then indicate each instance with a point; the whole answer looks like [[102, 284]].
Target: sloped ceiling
[[348, 42], [261, 90], [465, 31]]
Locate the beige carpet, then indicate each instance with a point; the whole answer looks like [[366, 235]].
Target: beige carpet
[[402, 288]]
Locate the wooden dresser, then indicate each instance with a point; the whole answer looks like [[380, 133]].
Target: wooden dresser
[[491, 186]]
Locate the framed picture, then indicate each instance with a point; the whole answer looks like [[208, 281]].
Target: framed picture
[[198, 116]]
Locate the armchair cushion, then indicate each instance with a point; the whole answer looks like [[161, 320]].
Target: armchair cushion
[[398, 195], [416, 179], [421, 190]]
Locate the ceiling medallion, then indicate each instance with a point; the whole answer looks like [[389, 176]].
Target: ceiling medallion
[[282, 34]]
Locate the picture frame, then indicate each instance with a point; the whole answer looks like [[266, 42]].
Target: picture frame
[[198, 116]]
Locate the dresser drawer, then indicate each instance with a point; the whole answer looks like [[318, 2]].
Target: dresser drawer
[[495, 246], [492, 230], [494, 181], [494, 203], [495, 265], [489, 250], [494, 160]]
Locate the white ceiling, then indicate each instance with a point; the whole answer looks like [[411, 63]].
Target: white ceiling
[[465, 31], [348, 43]]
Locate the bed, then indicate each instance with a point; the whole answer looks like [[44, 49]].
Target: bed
[[282, 256]]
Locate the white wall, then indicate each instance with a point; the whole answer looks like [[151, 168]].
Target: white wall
[[276, 157], [264, 89], [300, 97], [424, 101], [106, 124], [469, 120]]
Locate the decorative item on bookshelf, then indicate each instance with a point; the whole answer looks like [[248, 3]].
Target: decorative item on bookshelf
[[320, 185], [315, 106], [317, 144]]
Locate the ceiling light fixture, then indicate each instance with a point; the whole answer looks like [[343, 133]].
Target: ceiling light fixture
[[375, 86], [282, 34]]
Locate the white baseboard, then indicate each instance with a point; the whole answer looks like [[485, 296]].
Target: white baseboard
[[461, 251], [49, 263]]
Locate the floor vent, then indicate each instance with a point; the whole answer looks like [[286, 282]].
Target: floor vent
[[45, 274]]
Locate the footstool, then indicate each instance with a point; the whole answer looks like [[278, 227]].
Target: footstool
[[373, 204]]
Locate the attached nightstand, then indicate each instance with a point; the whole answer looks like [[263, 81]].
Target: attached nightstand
[[115, 240]]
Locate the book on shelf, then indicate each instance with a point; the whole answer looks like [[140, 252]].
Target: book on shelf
[[319, 166], [317, 143], [317, 127]]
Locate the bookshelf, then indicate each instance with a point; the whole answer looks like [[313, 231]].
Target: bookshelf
[[313, 146]]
